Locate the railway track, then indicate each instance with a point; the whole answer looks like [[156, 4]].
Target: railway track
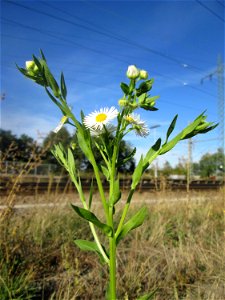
[[42, 184]]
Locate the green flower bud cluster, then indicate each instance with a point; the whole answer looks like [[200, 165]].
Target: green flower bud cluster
[[134, 73], [137, 96], [38, 70]]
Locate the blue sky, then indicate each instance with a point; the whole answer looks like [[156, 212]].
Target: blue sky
[[93, 42]]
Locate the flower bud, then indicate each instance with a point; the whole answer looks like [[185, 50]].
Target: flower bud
[[133, 105], [132, 72], [123, 102], [143, 74], [30, 64]]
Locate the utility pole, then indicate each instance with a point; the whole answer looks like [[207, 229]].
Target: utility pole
[[220, 74], [220, 103]]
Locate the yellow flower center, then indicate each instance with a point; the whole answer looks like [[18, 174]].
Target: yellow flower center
[[129, 119], [101, 117]]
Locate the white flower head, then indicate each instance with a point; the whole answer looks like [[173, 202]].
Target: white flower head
[[109, 128], [134, 119], [97, 119], [61, 123], [139, 126], [132, 72], [141, 130]]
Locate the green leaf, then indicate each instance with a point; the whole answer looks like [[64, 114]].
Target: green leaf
[[129, 156], [63, 86], [90, 246], [84, 144], [137, 173], [148, 296], [50, 96], [125, 88], [71, 163], [147, 106], [151, 154], [144, 87], [51, 80], [116, 193], [91, 194], [171, 128], [141, 98], [42, 55], [182, 135], [86, 245], [105, 171], [38, 64], [23, 71], [151, 99], [89, 216], [133, 223]]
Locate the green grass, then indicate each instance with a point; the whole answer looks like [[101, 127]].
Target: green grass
[[178, 252]]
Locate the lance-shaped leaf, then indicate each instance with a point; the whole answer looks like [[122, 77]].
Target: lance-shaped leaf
[[137, 174], [84, 144], [116, 193], [59, 153], [144, 87], [71, 163], [148, 296], [63, 86], [90, 246], [133, 223], [125, 88], [104, 171], [149, 107], [91, 194], [201, 130], [189, 129], [50, 79], [37, 63], [89, 216], [42, 55], [128, 157], [151, 154], [171, 128]]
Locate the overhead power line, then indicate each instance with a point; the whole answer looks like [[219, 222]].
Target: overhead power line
[[64, 39], [108, 34], [210, 10], [56, 36]]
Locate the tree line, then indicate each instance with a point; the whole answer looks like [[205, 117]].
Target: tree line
[[21, 149]]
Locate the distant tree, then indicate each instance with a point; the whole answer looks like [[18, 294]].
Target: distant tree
[[16, 148], [6, 140], [195, 168], [180, 168], [211, 164], [62, 136], [167, 169]]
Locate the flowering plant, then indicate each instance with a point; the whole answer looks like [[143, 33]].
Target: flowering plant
[[109, 126]]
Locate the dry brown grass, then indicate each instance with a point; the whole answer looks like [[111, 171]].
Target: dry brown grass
[[179, 252]]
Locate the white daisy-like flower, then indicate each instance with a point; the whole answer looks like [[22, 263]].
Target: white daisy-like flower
[[61, 123], [109, 128], [97, 119], [138, 125], [141, 130], [134, 119]]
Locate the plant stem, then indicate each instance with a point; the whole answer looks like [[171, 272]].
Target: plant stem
[[125, 210], [112, 262]]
